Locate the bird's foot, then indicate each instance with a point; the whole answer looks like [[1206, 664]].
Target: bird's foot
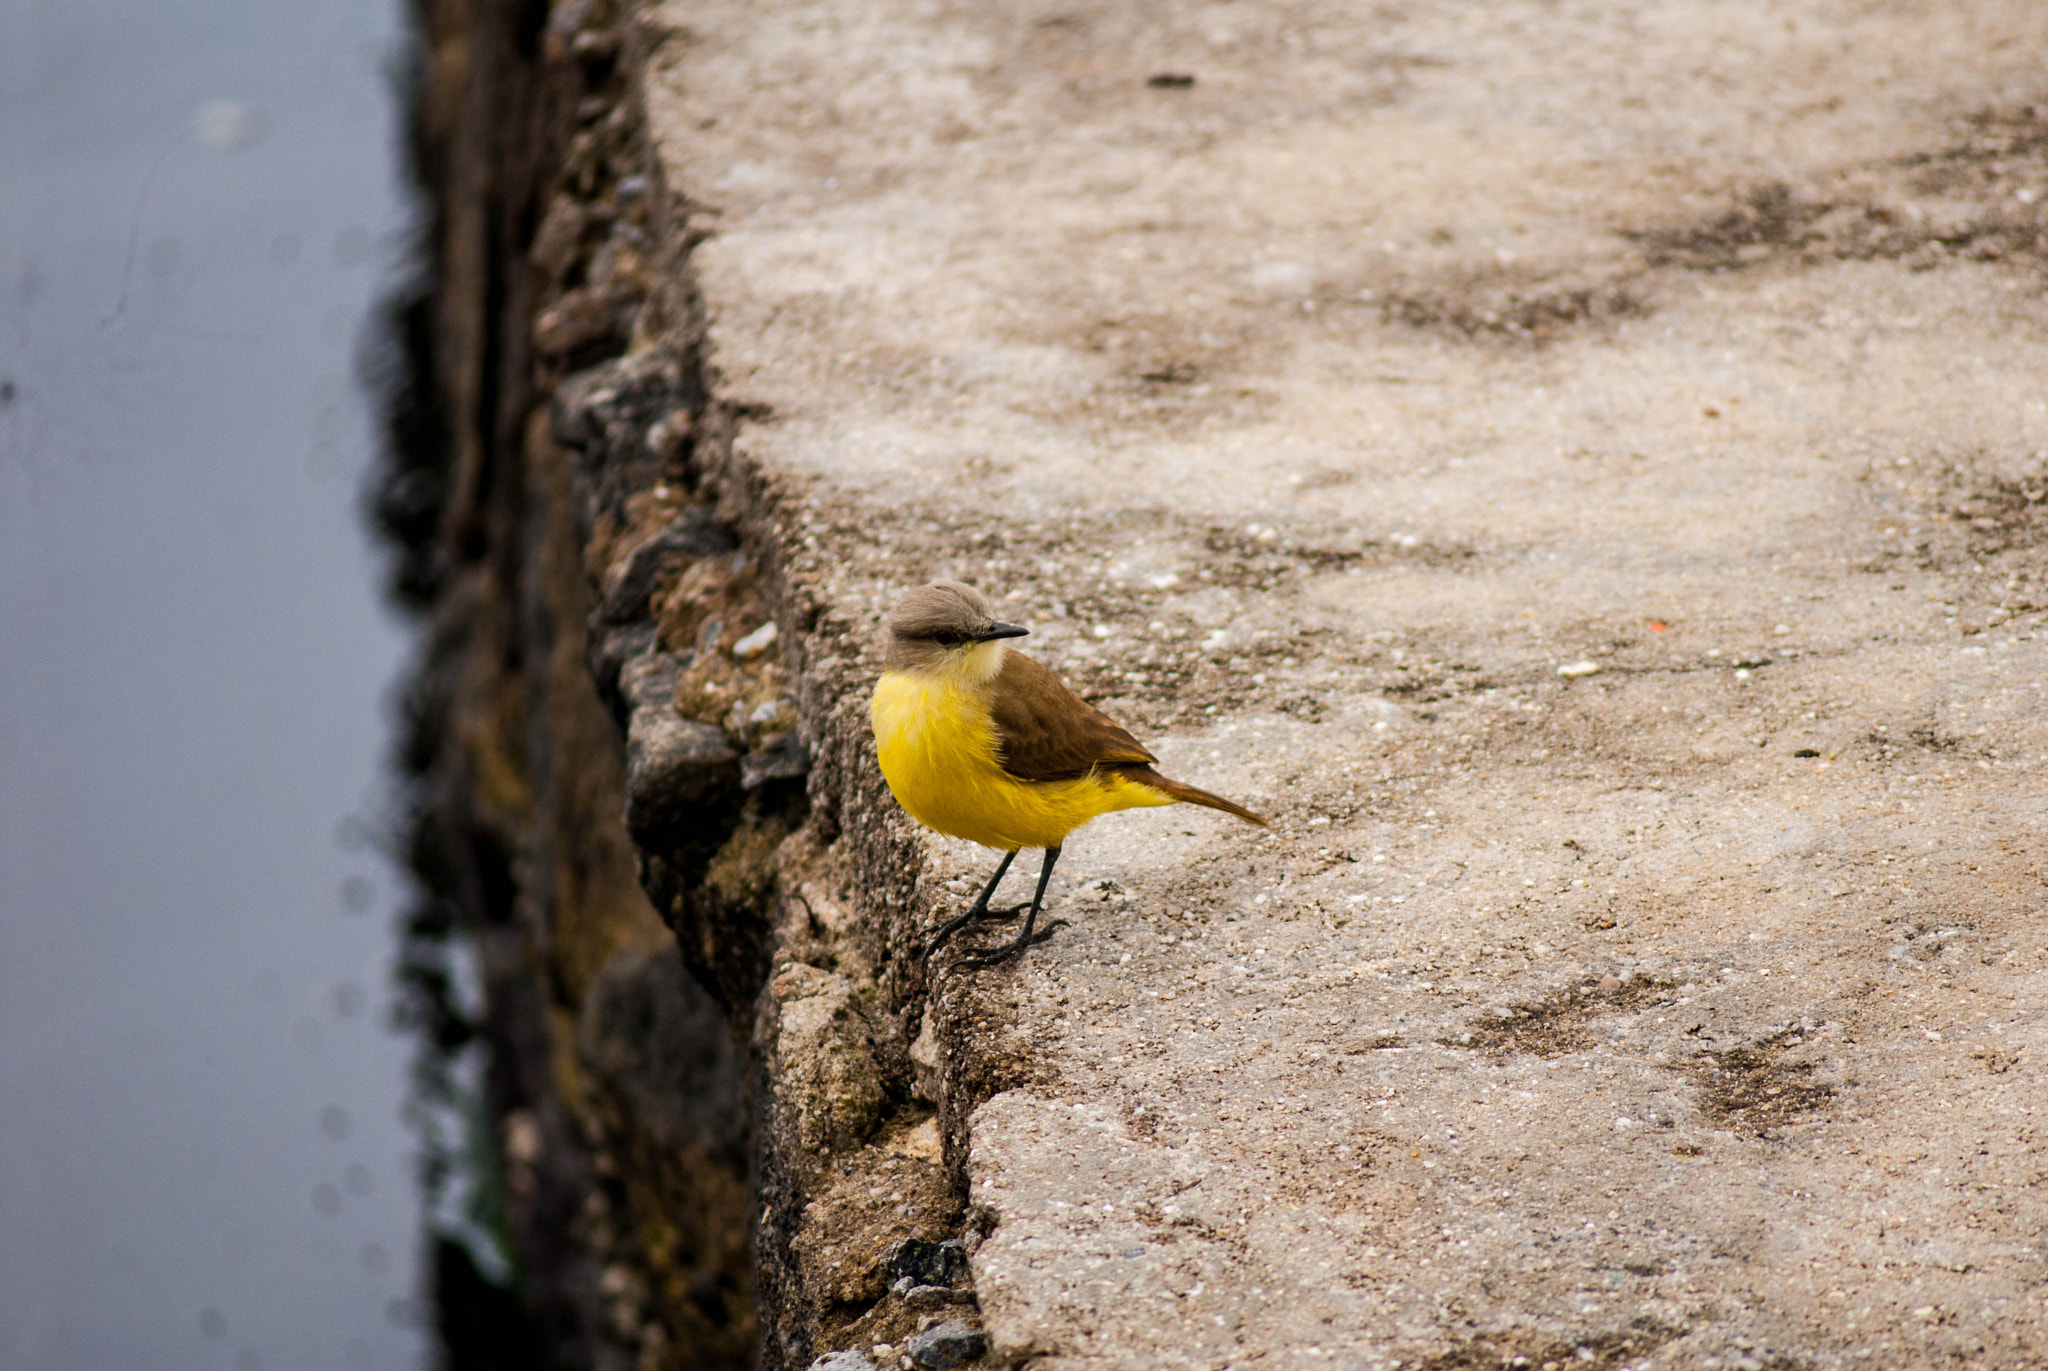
[[980, 914], [1010, 951]]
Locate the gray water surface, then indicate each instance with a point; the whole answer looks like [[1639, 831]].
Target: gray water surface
[[202, 1162]]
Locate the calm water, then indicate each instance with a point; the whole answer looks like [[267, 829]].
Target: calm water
[[202, 1162]]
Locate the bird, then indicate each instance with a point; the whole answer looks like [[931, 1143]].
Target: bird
[[978, 741]]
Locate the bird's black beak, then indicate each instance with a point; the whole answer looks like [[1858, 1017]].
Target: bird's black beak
[[994, 631]]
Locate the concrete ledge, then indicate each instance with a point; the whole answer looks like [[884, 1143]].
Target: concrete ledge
[[1580, 472]]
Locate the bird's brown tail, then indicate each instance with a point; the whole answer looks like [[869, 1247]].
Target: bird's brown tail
[[1193, 795]]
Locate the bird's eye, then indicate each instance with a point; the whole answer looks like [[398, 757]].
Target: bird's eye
[[948, 639]]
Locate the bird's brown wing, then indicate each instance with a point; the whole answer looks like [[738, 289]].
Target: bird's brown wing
[[1048, 733]]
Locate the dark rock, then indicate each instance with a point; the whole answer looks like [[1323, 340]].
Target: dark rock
[[604, 415], [926, 1263], [648, 681], [605, 411], [673, 766], [780, 758], [952, 1343], [693, 533], [610, 648]]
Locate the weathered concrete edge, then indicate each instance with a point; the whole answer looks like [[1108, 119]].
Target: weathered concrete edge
[[521, 839], [850, 810]]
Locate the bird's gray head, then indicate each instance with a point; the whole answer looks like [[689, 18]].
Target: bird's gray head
[[944, 627]]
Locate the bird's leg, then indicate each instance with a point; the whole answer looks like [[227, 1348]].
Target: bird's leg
[[978, 911], [997, 955]]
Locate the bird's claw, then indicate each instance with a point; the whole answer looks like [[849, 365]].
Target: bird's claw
[[939, 935], [996, 956]]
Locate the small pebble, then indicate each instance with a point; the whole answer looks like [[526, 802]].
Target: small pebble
[[1579, 669], [929, 1296], [757, 642], [842, 1361]]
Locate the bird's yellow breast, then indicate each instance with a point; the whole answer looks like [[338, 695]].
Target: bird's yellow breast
[[939, 753]]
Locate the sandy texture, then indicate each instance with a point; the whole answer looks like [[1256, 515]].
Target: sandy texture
[[1581, 468]]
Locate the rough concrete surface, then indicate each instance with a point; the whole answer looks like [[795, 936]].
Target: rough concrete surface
[[1580, 467]]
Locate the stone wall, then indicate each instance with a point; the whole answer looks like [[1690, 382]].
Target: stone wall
[[633, 802]]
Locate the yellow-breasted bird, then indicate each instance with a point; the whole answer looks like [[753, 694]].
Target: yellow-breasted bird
[[981, 742]]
